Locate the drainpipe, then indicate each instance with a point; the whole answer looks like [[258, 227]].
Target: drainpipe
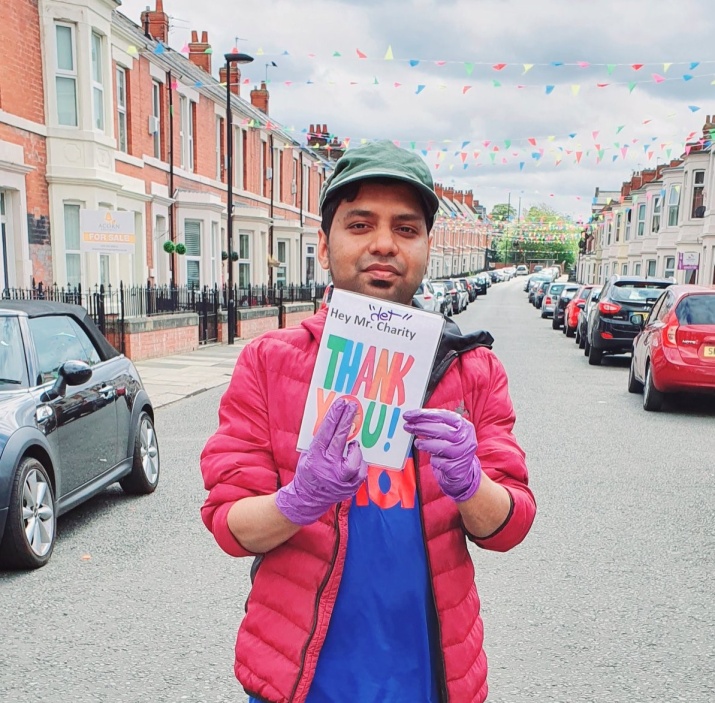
[[270, 226], [172, 206], [302, 255]]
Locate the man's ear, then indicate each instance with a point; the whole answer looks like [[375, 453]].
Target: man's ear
[[323, 250]]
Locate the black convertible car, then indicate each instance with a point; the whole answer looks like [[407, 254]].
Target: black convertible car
[[74, 418]]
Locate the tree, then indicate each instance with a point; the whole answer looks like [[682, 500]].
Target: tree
[[543, 235], [503, 212]]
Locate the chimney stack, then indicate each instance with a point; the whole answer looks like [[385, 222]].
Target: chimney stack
[[469, 199], [200, 51], [156, 23], [235, 78], [259, 98]]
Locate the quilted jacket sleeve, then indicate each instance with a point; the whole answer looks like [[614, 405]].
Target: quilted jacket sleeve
[[237, 460], [502, 459]]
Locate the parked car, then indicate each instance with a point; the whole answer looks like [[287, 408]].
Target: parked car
[[444, 298], [610, 327], [425, 297], [75, 419], [540, 293], [572, 311], [460, 299], [480, 283], [534, 282], [522, 270], [550, 298], [469, 287], [592, 297], [567, 293], [675, 348]]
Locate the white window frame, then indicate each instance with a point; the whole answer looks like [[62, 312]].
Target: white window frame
[[305, 188], [640, 220], [238, 158], [669, 267], [5, 234], [294, 182], [122, 106], [629, 218], [637, 269], [698, 189], [624, 269], [619, 220], [276, 163], [219, 130], [673, 205], [191, 122], [244, 262], [97, 76], [65, 74], [156, 113], [262, 167], [657, 214], [214, 251], [193, 257], [183, 102], [282, 270], [651, 267], [73, 252]]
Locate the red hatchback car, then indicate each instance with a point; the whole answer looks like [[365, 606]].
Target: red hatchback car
[[675, 349], [572, 311]]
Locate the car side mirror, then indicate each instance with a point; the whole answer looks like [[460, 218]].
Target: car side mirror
[[581, 306], [71, 373]]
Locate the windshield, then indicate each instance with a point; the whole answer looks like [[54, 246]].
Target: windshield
[[696, 310], [644, 292], [556, 288], [12, 355]]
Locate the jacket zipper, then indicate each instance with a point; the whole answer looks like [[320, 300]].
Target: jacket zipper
[[444, 695], [317, 603]]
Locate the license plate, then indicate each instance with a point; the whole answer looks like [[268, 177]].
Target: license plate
[[709, 352]]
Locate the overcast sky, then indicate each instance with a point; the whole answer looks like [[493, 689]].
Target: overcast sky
[[472, 36]]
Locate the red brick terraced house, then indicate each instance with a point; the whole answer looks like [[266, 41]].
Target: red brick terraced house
[[98, 112]]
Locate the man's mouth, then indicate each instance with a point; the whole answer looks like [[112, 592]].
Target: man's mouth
[[382, 271]]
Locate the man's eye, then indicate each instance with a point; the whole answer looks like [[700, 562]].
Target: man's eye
[[408, 230], [357, 225]]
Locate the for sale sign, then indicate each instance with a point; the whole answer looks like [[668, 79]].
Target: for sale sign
[[107, 232]]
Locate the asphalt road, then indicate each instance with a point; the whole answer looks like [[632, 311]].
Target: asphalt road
[[611, 598]]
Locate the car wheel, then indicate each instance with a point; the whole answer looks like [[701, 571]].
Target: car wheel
[[595, 356], [652, 397], [144, 475], [569, 331], [555, 323], [634, 385], [586, 347], [31, 520]]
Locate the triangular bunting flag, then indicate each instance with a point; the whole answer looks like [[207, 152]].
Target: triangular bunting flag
[[159, 49], [496, 83], [693, 108], [658, 78], [687, 77], [631, 86], [549, 89], [499, 66], [575, 89], [336, 54], [466, 89], [694, 65], [414, 62], [469, 68], [528, 67], [360, 54], [611, 68], [420, 88], [388, 54], [637, 66], [666, 66]]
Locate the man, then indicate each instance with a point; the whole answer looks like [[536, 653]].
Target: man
[[363, 587]]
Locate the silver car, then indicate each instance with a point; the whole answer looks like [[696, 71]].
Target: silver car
[[426, 297]]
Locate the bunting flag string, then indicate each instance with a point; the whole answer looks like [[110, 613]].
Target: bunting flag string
[[470, 64], [574, 88]]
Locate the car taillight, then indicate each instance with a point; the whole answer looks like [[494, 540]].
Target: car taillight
[[608, 308], [548, 301], [428, 296], [671, 335]]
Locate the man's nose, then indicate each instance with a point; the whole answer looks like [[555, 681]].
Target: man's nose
[[384, 242]]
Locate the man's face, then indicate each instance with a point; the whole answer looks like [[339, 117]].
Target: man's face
[[378, 243]]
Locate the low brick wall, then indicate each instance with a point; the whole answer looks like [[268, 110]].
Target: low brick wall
[[251, 322], [160, 335], [294, 313]]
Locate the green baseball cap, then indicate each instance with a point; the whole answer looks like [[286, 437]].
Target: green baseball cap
[[382, 159]]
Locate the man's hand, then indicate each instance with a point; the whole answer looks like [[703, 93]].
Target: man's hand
[[451, 442], [325, 474]]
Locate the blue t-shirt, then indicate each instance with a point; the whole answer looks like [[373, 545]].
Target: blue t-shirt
[[382, 640]]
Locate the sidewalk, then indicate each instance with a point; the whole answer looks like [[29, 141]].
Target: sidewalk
[[171, 378]]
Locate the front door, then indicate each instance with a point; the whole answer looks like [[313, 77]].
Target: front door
[[86, 415]]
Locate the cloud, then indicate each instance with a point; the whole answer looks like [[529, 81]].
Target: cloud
[[650, 120]]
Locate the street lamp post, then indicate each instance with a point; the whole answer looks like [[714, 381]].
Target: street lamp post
[[230, 59]]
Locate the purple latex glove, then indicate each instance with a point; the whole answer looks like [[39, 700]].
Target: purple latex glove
[[325, 474], [451, 442]]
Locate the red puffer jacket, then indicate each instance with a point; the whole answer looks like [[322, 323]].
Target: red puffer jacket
[[294, 590]]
